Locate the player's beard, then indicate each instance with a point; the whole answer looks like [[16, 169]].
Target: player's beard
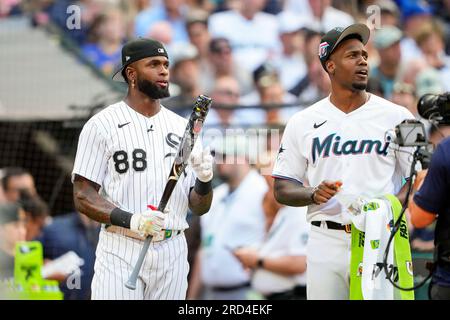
[[359, 86], [151, 90]]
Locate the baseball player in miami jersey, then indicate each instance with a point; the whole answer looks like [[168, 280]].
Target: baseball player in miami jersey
[[340, 141], [122, 164]]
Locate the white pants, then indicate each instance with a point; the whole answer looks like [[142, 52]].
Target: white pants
[[163, 275], [328, 264]]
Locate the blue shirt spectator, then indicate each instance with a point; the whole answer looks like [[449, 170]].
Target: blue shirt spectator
[[70, 233], [102, 60], [148, 17]]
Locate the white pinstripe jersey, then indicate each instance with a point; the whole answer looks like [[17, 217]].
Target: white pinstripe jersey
[[324, 143], [130, 156]]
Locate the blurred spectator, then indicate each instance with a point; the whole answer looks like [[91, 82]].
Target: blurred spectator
[[428, 81], [162, 32], [12, 230], [414, 15], [326, 17], [36, 214], [279, 263], [442, 9], [403, 94], [222, 63], [390, 15], [319, 85], [291, 64], [430, 39], [172, 11], [316, 84], [253, 34], [225, 93], [268, 91], [410, 70], [264, 75], [272, 94], [387, 42], [185, 73], [106, 37], [16, 179], [234, 220], [197, 29], [73, 232]]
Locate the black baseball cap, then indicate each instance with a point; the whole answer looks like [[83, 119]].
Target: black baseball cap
[[332, 38], [138, 49]]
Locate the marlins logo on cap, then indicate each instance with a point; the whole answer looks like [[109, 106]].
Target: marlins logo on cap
[[323, 49]]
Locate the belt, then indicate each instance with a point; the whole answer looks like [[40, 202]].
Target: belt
[[238, 286], [296, 293], [333, 225], [162, 235]]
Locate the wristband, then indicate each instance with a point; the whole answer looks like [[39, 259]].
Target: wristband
[[120, 218], [202, 188]]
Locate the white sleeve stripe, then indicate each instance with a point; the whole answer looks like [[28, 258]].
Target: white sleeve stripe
[[286, 178]]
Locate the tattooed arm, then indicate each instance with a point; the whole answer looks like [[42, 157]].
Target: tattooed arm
[[89, 202]]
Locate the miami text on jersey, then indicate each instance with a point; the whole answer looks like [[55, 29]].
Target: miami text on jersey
[[332, 143]]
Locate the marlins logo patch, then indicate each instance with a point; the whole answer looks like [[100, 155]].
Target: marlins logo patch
[[323, 49]]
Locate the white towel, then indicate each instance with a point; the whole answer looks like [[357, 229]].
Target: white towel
[[375, 286]]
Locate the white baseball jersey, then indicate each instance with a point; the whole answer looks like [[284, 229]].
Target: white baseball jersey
[[324, 143], [130, 156], [287, 236]]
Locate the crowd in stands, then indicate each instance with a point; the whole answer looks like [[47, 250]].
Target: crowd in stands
[[242, 53], [208, 40]]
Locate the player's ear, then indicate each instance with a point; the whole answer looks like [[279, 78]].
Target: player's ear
[[330, 66], [131, 74]]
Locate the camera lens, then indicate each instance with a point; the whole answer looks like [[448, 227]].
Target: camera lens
[[427, 105]]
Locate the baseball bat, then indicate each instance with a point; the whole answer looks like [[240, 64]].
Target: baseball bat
[[193, 128]]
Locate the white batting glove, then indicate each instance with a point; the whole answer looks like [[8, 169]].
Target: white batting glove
[[202, 164], [147, 223]]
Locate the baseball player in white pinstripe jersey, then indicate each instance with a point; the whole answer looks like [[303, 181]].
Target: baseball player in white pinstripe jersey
[[122, 163]]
